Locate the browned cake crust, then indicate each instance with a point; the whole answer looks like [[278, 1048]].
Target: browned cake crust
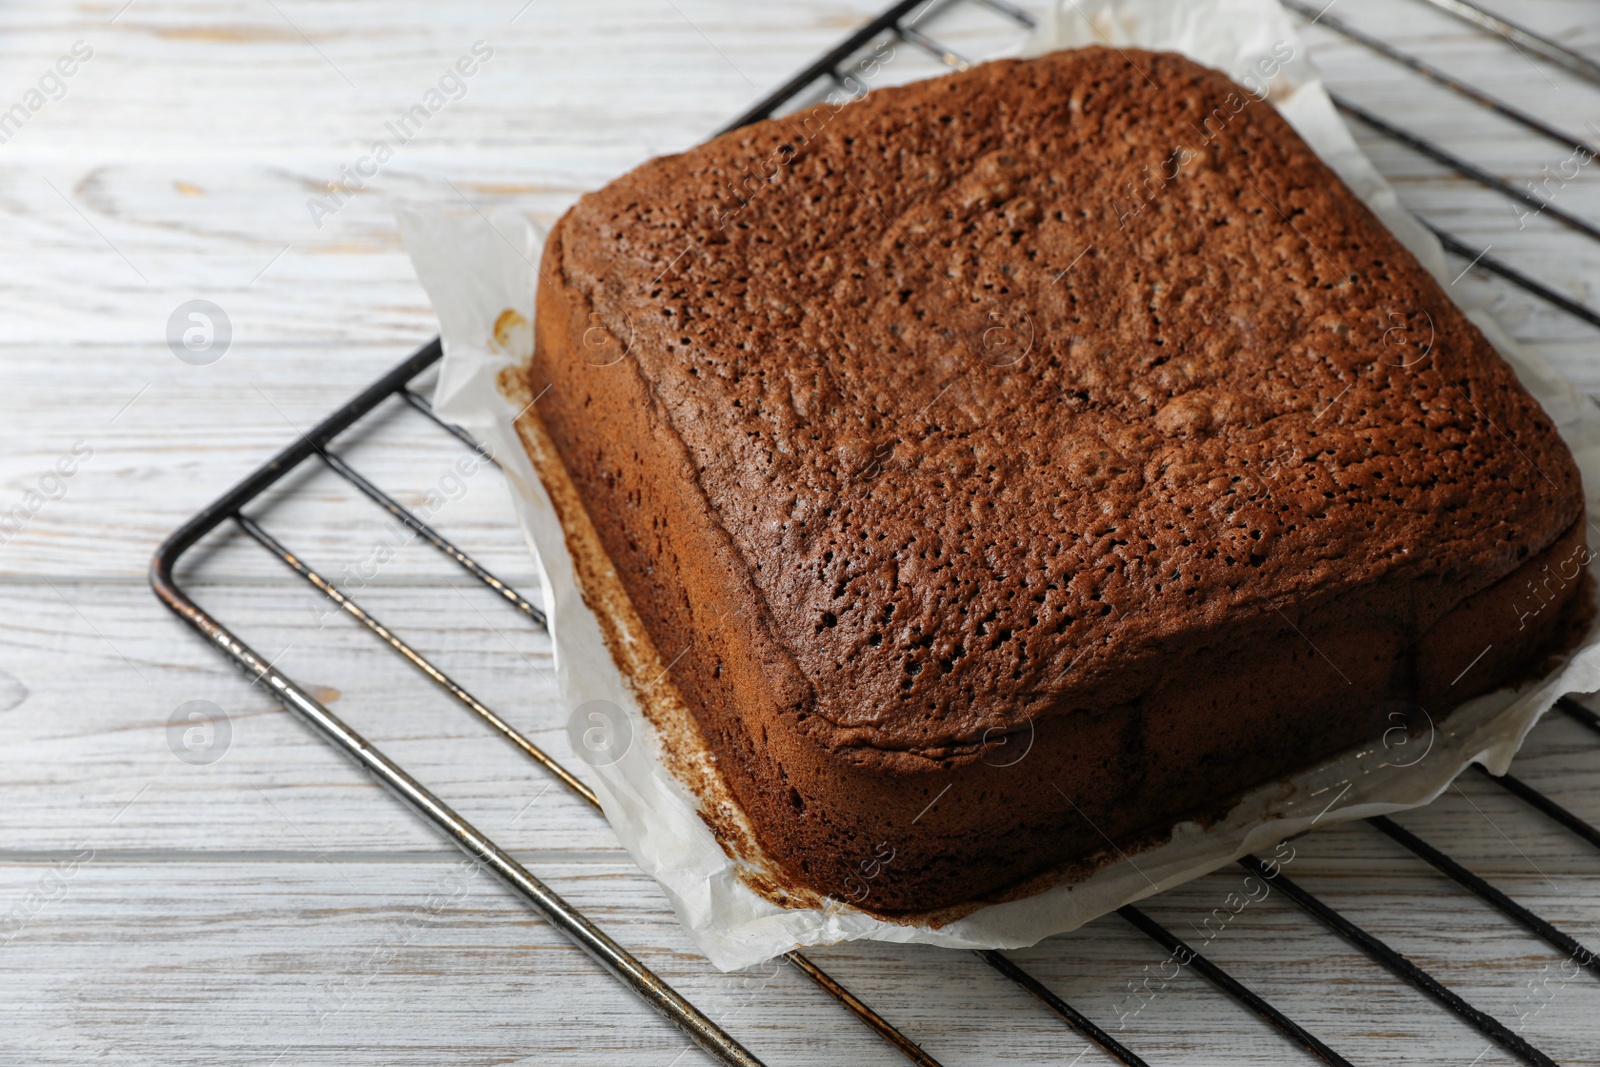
[[1068, 403]]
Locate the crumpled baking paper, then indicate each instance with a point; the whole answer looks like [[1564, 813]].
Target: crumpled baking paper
[[477, 268]]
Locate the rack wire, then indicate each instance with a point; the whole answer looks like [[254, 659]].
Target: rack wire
[[904, 21]]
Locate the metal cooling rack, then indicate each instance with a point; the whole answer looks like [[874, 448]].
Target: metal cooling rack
[[901, 21]]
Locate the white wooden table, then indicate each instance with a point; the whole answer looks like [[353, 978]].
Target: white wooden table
[[274, 906]]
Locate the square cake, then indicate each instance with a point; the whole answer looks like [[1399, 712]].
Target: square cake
[[1012, 465]]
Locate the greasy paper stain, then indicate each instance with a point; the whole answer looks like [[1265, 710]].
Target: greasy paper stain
[[512, 334]]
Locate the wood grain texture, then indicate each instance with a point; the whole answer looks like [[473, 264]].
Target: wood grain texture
[[276, 907]]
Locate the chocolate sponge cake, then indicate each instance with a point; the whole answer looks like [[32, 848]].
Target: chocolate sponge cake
[[1027, 459]]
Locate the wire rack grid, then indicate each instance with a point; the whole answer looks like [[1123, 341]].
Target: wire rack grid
[[905, 21]]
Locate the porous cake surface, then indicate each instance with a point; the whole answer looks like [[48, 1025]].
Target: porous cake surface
[[1011, 396]]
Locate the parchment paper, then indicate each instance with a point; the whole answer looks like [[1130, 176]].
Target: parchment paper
[[476, 269]]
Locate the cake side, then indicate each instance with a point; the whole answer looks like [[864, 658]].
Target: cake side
[[779, 533]]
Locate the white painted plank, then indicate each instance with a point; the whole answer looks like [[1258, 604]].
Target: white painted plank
[[228, 961]]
